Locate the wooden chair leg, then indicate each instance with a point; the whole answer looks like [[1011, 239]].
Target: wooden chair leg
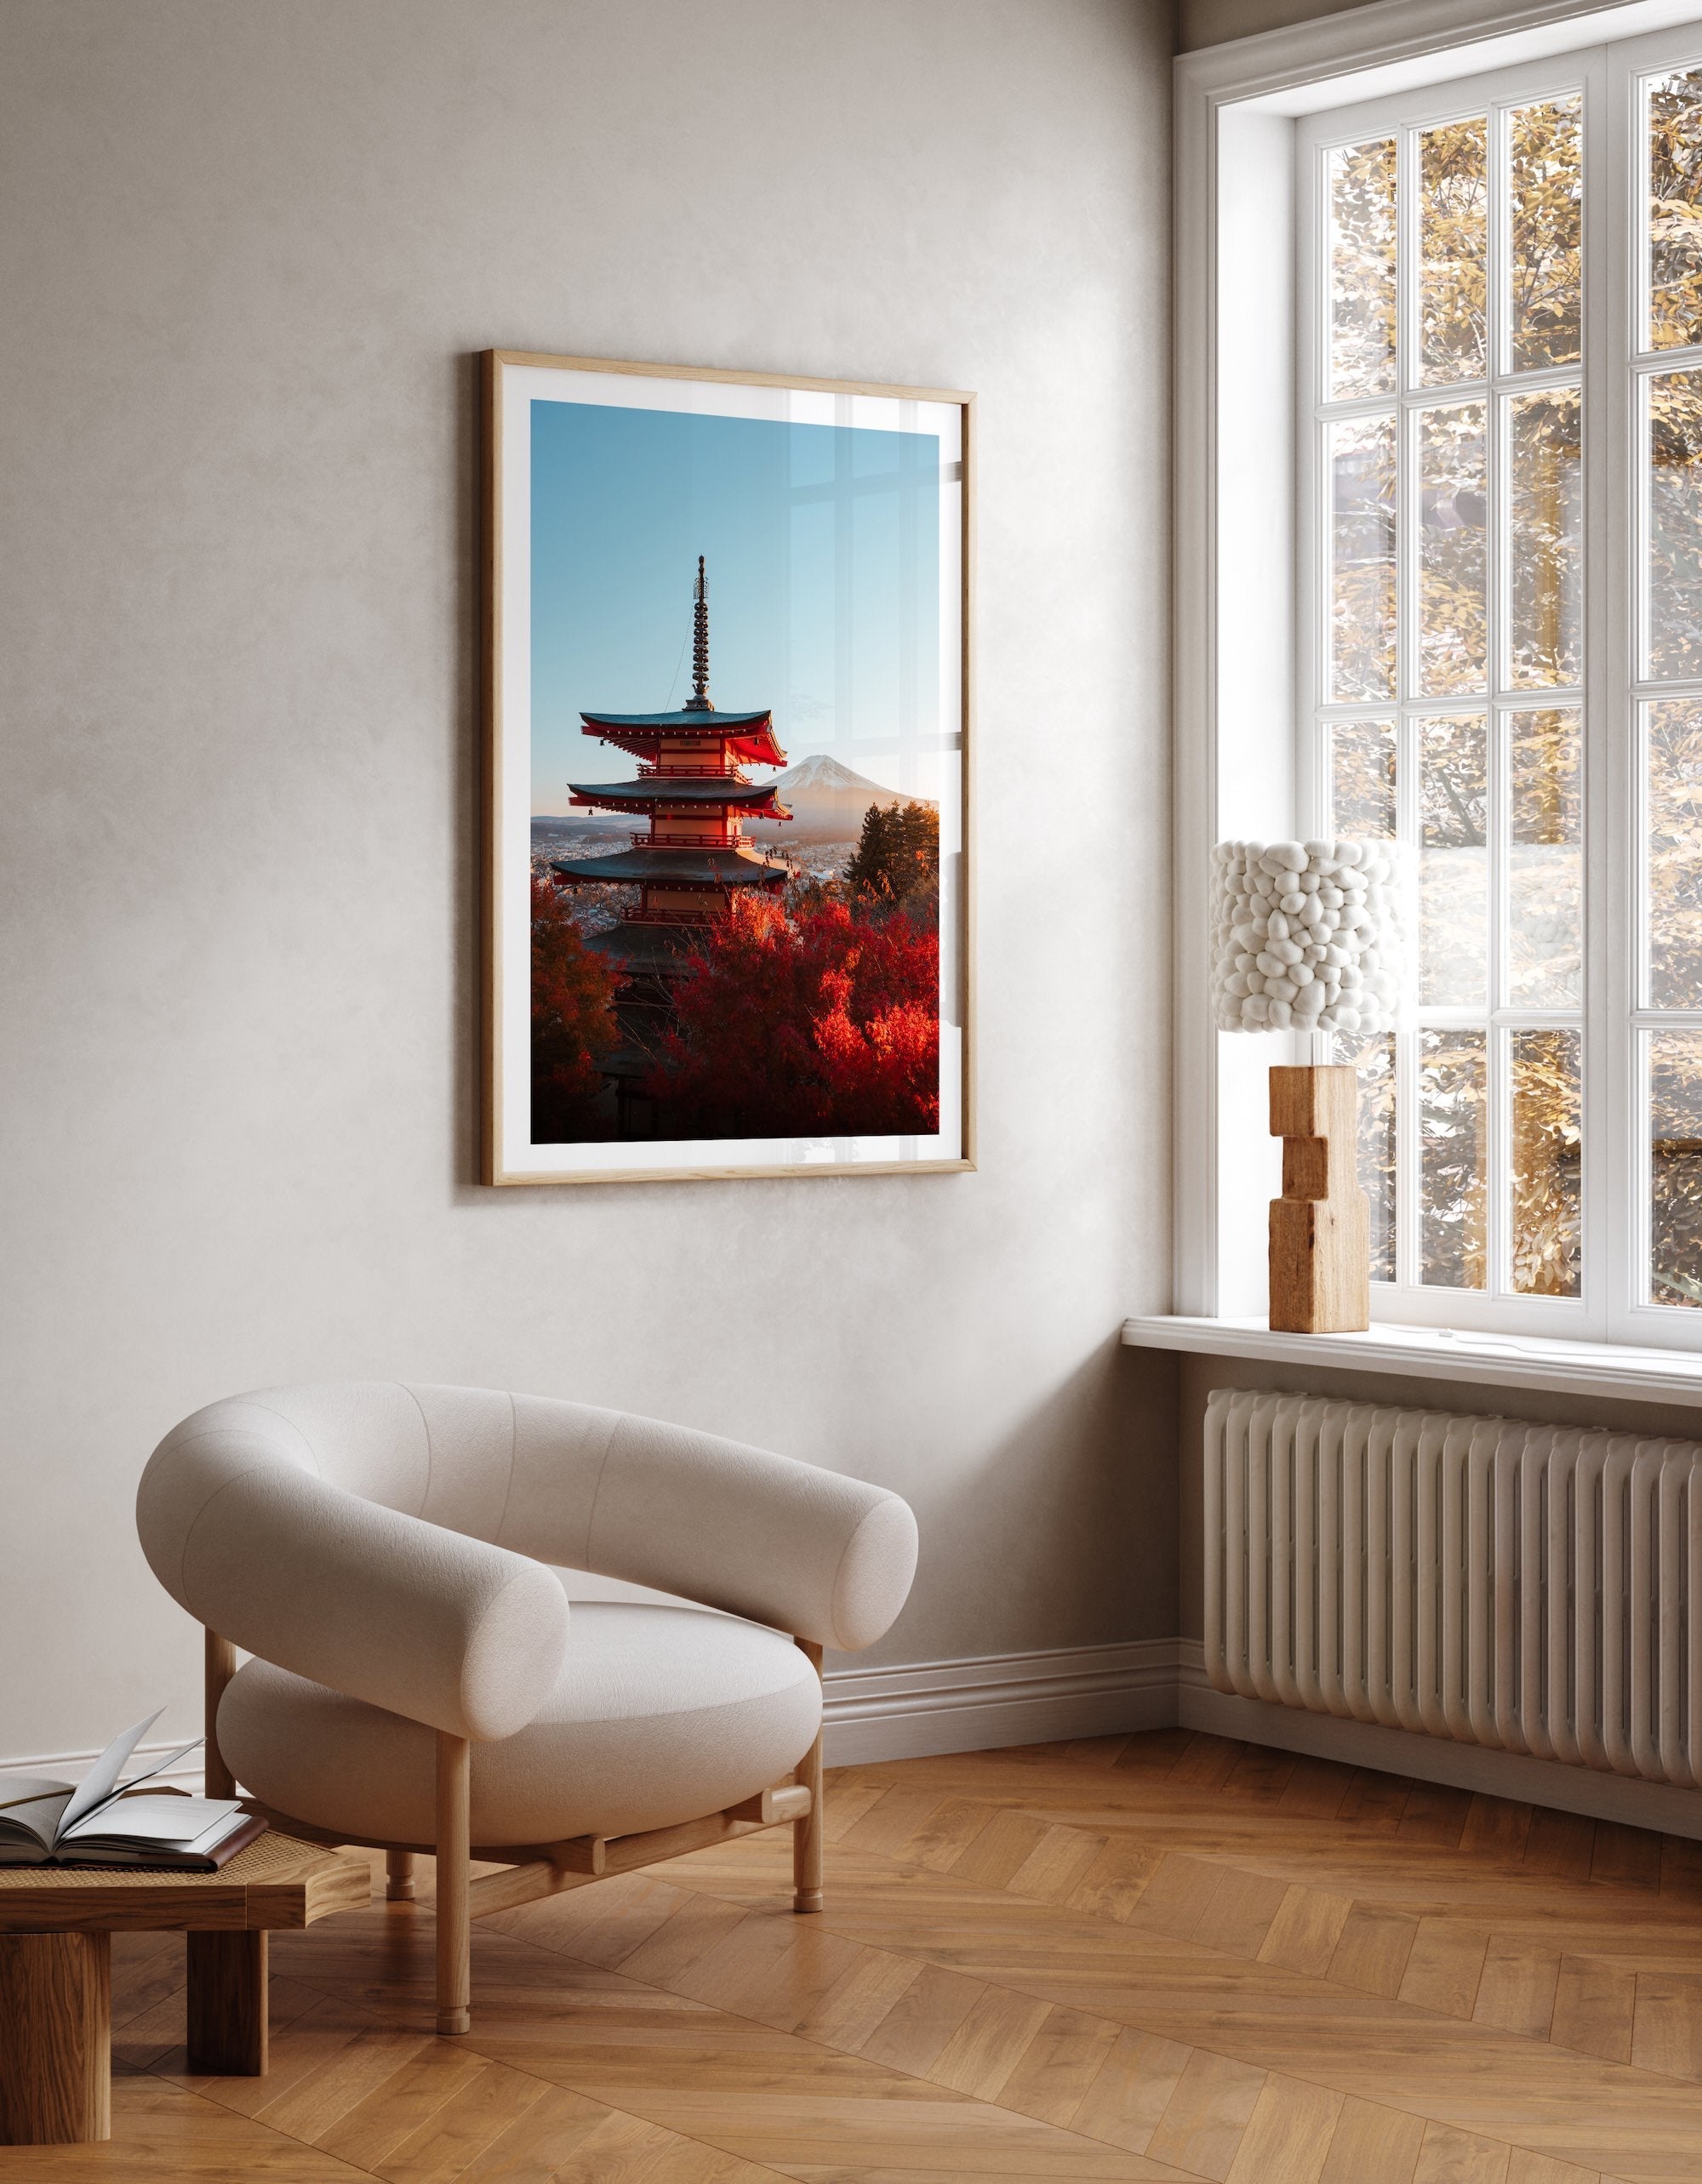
[[398, 1876], [220, 1657], [454, 1969], [807, 1836]]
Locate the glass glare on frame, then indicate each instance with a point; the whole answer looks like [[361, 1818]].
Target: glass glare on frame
[[1362, 275], [1453, 648], [1453, 862], [1374, 1060], [1672, 882], [1362, 528], [1544, 859], [1454, 1154], [1675, 1119], [1673, 558], [1546, 569], [1362, 779], [1545, 177], [1546, 1228], [1673, 120], [1453, 251]]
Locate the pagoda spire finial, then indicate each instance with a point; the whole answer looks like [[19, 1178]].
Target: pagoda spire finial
[[699, 701]]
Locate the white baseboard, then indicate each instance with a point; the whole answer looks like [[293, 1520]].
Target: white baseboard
[[920, 1709], [927, 1708], [910, 1711], [1200, 1705], [72, 1767]]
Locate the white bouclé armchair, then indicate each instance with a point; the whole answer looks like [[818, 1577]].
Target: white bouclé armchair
[[389, 1554]]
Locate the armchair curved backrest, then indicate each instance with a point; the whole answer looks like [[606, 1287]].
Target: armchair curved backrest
[[387, 1539]]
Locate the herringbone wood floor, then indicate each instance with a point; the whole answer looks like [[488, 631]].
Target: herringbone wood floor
[[1158, 1956]]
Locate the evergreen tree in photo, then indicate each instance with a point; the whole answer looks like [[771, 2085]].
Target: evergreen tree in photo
[[896, 862]]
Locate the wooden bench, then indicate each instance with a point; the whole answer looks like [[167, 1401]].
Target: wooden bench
[[56, 1929]]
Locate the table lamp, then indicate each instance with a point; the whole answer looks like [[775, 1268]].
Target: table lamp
[[1307, 936]]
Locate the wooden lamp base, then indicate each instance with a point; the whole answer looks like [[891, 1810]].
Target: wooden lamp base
[[1320, 1226]]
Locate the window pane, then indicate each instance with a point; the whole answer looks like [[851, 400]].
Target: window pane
[[1545, 860], [1546, 174], [1547, 1164], [1452, 1155], [1674, 187], [1675, 1074], [1362, 468], [1453, 243], [1374, 1059], [1452, 625], [1674, 561], [1547, 573], [1674, 824], [1363, 779], [1362, 188], [1453, 863]]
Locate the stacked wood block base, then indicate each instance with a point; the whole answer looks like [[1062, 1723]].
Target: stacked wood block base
[[1320, 1226]]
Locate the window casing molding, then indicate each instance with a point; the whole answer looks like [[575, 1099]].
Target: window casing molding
[[1244, 547]]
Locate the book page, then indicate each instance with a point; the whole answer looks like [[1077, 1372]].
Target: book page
[[31, 1805], [24, 1790], [179, 1822], [167, 1760], [102, 1778]]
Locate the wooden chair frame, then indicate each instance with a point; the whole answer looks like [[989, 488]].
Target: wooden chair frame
[[535, 1869]]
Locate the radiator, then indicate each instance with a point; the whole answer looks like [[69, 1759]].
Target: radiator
[[1537, 1590]]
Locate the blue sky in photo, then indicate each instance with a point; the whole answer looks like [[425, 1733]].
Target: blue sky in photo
[[822, 543]]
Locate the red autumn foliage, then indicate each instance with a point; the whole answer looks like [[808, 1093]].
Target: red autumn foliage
[[825, 1025], [573, 1025]]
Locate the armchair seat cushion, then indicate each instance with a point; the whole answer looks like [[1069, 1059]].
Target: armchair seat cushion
[[659, 1715]]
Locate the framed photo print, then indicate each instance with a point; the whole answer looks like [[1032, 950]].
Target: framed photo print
[[728, 905]]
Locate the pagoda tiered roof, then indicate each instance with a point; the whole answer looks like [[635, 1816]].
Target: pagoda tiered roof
[[638, 948], [681, 789], [677, 867], [671, 861], [747, 735]]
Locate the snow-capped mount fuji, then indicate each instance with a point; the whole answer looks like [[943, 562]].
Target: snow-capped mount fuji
[[820, 772], [827, 801]]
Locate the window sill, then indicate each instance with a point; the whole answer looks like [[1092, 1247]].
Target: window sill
[[1604, 1369]]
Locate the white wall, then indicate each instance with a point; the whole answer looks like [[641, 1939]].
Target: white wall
[[248, 248]]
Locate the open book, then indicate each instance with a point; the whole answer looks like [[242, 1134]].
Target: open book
[[100, 1822]]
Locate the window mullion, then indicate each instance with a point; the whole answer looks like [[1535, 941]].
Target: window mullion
[[1497, 1041], [1614, 1179], [1408, 1209], [1407, 1180]]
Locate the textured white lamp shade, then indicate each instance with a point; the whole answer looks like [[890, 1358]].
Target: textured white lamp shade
[[1306, 936]]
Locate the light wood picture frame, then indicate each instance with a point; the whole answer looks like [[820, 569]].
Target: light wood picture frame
[[697, 581]]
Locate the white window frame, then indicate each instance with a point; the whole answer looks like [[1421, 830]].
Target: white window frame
[[1245, 554], [1497, 92]]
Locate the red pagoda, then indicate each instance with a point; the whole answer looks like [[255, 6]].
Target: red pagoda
[[692, 789]]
